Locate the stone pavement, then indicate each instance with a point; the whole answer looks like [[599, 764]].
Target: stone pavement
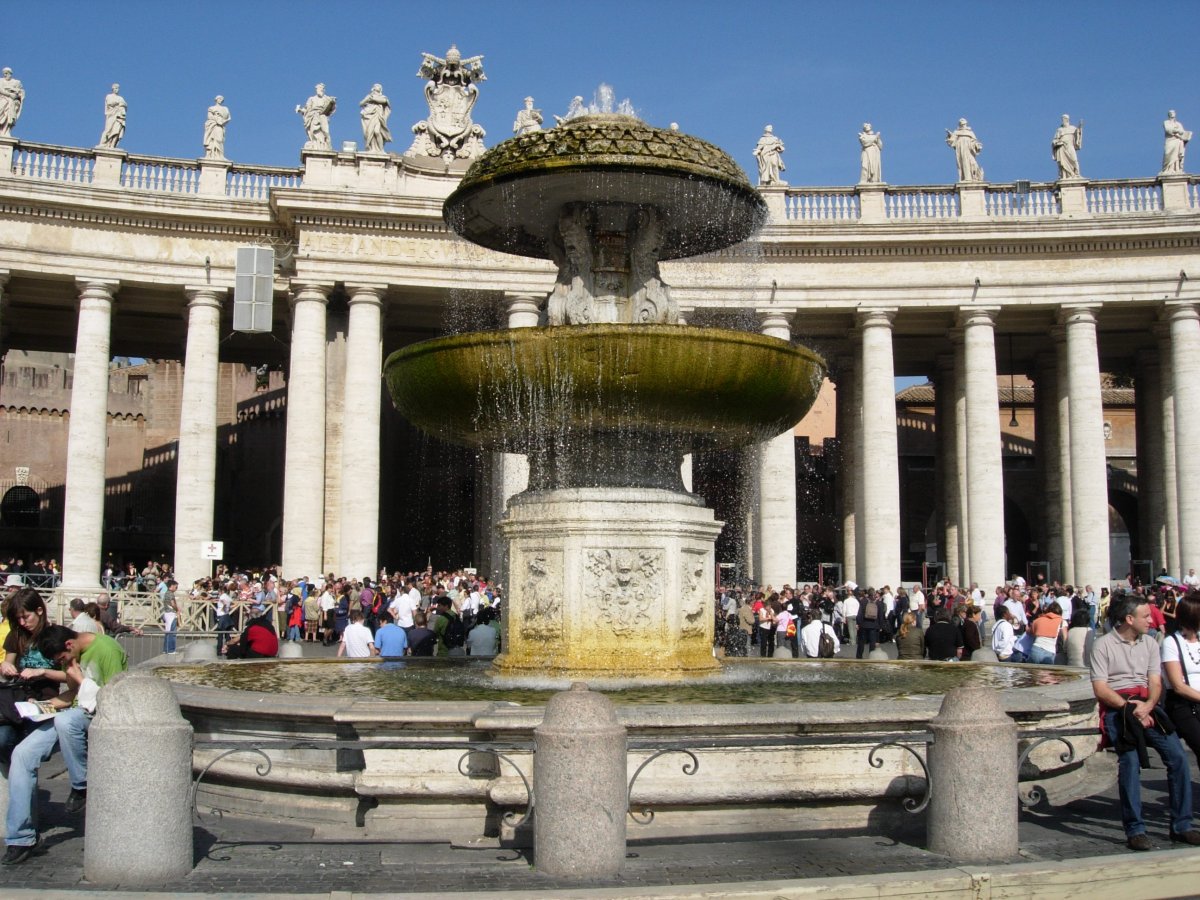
[[244, 856]]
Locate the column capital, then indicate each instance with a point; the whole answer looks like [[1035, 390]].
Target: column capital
[[874, 317], [520, 309], [310, 291], [205, 295], [1078, 313], [97, 287], [1179, 310], [775, 323], [366, 292], [977, 315]]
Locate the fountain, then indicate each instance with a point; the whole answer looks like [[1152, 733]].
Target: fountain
[[610, 560]]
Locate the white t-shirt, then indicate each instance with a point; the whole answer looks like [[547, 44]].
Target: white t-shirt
[[402, 609], [84, 623], [357, 639], [810, 636], [917, 600], [850, 607], [1003, 639], [327, 601], [1190, 661]]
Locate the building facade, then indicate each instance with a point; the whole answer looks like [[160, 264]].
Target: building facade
[[108, 254]]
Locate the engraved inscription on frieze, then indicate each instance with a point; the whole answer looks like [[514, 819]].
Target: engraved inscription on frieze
[[541, 594], [694, 592], [622, 586]]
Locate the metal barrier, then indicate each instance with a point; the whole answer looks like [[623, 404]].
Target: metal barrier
[[142, 648]]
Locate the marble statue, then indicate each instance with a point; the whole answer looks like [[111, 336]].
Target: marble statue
[[1065, 147], [769, 153], [451, 92], [375, 110], [12, 98], [872, 152], [115, 108], [575, 109], [214, 129], [528, 119], [316, 112], [966, 148], [1174, 146]]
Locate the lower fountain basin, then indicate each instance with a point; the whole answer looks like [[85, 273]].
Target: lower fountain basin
[[537, 390]]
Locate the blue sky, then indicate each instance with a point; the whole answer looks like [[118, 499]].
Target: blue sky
[[721, 70]]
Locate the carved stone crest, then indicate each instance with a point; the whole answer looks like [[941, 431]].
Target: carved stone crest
[[22, 475], [451, 93], [694, 593], [621, 585]]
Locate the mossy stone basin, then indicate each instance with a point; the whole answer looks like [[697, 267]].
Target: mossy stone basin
[[521, 390]]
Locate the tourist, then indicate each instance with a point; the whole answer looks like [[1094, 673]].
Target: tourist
[[1127, 680], [85, 662], [484, 638], [786, 635], [810, 638], [766, 625], [972, 630], [357, 642], [850, 608], [328, 614], [170, 615], [223, 608], [448, 626], [87, 617], [311, 612], [1181, 665], [1080, 636], [258, 641], [943, 641], [110, 618], [391, 641], [421, 640], [910, 638], [870, 615], [1046, 630]]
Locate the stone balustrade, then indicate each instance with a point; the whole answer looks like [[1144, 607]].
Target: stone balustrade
[[793, 205]]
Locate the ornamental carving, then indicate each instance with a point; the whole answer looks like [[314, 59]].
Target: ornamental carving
[[621, 586], [541, 595], [694, 593], [451, 93]]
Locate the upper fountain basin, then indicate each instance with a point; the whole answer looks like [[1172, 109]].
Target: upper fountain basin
[[510, 198], [690, 388]]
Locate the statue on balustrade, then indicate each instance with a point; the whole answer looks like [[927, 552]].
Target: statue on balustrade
[[872, 155], [966, 148], [769, 153], [375, 109], [12, 98], [528, 119], [115, 108], [1065, 147], [1177, 138], [214, 129], [316, 112], [451, 93]]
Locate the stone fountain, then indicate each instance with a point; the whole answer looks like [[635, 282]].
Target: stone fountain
[[610, 559]]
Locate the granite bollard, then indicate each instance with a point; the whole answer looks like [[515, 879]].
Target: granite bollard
[[199, 651], [579, 780], [973, 763], [139, 821], [291, 650]]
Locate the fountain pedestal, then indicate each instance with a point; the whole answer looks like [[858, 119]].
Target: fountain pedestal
[[616, 581]]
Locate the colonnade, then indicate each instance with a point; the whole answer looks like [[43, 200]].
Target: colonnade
[[970, 487]]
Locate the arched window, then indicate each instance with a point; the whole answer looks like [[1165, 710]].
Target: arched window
[[20, 507]]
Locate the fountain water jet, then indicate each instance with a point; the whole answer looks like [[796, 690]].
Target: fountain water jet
[[610, 560]]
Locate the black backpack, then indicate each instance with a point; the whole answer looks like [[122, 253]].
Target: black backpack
[[825, 644], [455, 634]]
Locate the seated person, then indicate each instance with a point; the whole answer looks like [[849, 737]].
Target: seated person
[[258, 641], [391, 640], [421, 640], [484, 638]]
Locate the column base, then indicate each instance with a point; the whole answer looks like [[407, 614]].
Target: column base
[[609, 582]]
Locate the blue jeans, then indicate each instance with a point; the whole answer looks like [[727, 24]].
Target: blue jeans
[[20, 828], [1040, 657], [170, 626], [1129, 779], [72, 727]]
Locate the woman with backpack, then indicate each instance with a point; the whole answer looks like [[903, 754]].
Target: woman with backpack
[[870, 617]]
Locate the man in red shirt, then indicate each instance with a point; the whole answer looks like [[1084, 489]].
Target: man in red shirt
[[258, 641]]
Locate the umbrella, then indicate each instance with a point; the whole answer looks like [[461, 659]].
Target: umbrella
[[1166, 579]]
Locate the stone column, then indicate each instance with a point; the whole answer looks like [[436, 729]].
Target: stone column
[[880, 466], [3, 305], [985, 474], [1171, 560], [962, 500], [1047, 440], [196, 476], [304, 463], [1152, 512], [777, 490], [1185, 370], [859, 457], [947, 463], [1089, 468], [846, 418], [87, 438], [1062, 449], [359, 545]]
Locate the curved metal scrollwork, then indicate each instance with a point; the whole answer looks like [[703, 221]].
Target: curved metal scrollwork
[[1035, 794], [646, 816], [263, 769], [910, 803], [511, 819]]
